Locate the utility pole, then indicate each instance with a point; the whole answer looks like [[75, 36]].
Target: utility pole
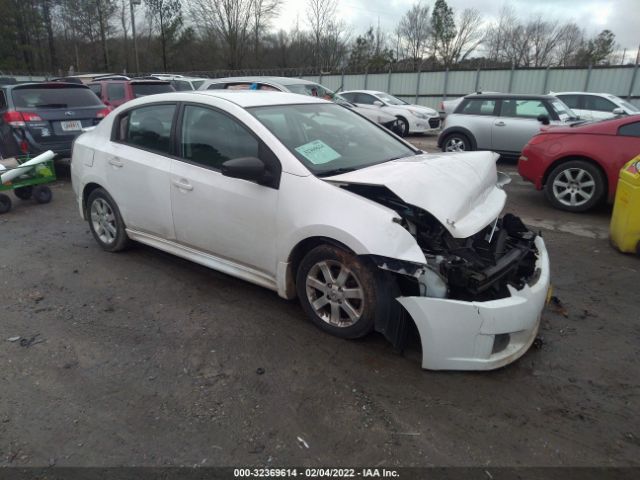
[[133, 31]]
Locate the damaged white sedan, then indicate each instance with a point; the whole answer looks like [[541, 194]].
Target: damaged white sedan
[[313, 201]]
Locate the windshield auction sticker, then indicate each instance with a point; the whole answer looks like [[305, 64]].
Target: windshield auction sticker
[[318, 152]]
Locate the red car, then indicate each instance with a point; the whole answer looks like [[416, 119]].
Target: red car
[[577, 166], [114, 92]]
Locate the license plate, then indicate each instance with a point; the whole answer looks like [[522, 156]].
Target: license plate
[[71, 126]]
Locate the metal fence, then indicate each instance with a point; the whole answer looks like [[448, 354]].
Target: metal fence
[[429, 88]]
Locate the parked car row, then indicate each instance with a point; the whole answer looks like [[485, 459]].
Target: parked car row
[[574, 158]]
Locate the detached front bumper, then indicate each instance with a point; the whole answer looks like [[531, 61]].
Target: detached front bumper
[[459, 335]]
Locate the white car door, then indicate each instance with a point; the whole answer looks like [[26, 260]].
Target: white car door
[[137, 168], [230, 218]]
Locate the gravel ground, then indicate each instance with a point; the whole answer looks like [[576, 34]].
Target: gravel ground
[[142, 358]]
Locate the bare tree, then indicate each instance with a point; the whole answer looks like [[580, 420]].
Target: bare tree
[[320, 16], [263, 11], [469, 35], [570, 41], [413, 32]]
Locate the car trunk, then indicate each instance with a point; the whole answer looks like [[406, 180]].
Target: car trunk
[[53, 115]]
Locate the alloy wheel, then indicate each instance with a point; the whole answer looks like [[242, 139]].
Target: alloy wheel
[[574, 187], [335, 293], [103, 221], [455, 144]]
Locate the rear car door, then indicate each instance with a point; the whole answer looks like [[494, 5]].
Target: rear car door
[[517, 123], [230, 218], [136, 165]]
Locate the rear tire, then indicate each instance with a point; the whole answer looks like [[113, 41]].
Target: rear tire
[[106, 222], [575, 186], [337, 291], [42, 194], [23, 193], [5, 203]]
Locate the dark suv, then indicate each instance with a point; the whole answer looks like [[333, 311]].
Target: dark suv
[[36, 117], [116, 92]]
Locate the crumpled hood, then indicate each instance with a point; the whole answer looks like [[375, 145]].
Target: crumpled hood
[[459, 189]]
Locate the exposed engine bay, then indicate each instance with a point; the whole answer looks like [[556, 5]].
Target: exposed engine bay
[[478, 268]]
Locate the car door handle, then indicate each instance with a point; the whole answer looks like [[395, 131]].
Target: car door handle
[[116, 162], [182, 184], [500, 124]]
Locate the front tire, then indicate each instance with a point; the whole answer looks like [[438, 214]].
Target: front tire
[[337, 291], [403, 127], [456, 142], [575, 186], [106, 222]]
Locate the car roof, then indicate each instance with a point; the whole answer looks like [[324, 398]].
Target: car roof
[[277, 80], [510, 95], [584, 93], [44, 84], [242, 98]]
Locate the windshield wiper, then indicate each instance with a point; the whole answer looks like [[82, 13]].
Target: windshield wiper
[[335, 171]]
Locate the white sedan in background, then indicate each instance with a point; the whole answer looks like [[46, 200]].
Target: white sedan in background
[[307, 198], [596, 106], [413, 118]]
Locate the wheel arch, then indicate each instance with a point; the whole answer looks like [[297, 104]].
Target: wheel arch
[[296, 255], [583, 158], [86, 191]]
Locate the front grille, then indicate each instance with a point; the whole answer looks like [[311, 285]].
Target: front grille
[[434, 122]]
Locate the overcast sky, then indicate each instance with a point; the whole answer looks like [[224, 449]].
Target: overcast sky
[[620, 16]]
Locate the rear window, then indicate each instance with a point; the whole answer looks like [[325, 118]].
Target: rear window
[[54, 97], [142, 89]]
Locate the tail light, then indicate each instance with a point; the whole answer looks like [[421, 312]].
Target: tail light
[[19, 119], [103, 113], [24, 147]]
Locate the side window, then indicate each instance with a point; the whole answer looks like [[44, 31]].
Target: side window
[[630, 130], [3, 101], [523, 108], [210, 138], [365, 99], [598, 103], [96, 88], [238, 86], [115, 91], [478, 106], [217, 86], [147, 127], [349, 96], [571, 101]]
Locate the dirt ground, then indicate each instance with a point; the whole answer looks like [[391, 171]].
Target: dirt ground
[[141, 358]]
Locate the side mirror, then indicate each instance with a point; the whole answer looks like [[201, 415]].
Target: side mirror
[[544, 119], [378, 103], [618, 111], [245, 168]]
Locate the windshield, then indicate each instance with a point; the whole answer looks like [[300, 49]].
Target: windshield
[[55, 97], [391, 100], [329, 139], [143, 89], [311, 89], [564, 112]]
